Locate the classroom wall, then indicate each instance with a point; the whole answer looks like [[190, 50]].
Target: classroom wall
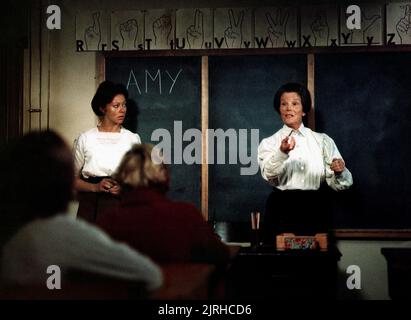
[[367, 255], [73, 75], [64, 88], [72, 80]]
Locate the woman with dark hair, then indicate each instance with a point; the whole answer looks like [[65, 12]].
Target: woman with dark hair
[[98, 151], [37, 185], [301, 165]]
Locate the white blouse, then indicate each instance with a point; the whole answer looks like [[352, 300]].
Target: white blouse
[[306, 166], [98, 154]]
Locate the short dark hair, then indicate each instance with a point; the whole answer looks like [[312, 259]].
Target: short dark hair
[[105, 93], [298, 88], [37, 173]]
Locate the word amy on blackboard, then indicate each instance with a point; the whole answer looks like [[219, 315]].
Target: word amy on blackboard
[[157, 81]]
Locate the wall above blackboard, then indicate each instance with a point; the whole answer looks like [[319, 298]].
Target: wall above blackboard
[[292, 26]]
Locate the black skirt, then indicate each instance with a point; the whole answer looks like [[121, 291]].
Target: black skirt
[[302, 212], [93, 204]]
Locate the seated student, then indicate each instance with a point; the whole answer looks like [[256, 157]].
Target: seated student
[[165, 230], [37, 184]]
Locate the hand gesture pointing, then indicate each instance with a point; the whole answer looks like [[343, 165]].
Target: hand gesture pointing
[[195, 32], [287, 144], [233, 34], [403, 26], [368, 25], [277, 29], [92, 35]]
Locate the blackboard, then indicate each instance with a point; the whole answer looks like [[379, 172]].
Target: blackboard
[[164, 93], [241, 97], [363, 101]]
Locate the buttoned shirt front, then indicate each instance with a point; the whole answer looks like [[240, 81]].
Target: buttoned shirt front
[[306, 166]]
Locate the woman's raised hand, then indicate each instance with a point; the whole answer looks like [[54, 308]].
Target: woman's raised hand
[[287, 144]]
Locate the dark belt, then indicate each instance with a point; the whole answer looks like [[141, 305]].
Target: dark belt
[[94, 180], [323, 187]]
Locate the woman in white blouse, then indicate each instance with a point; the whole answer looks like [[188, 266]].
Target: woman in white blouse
[[301, 165], [98, 151]]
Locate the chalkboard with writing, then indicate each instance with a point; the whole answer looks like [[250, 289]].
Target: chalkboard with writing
[[241, 99], [363, 101], [165, 101]]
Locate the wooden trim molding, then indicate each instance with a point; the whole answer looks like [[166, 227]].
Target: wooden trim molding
[[204, 139], [101, 68], [372, 234], [311, 88], [257, 51]]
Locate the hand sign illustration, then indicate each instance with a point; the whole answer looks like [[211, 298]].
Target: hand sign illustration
[[403, 26], [195, 32], [233, 35], [162, 29], [367, 25], [92, 34], [277, 29], [366, 31], [320, 28], [128, 32]]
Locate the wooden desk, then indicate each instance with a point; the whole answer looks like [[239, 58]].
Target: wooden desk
[[265, 273], [399, 272]]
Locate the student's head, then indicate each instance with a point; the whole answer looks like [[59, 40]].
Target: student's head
[[110, 102], [293, 102], [37, 175], [142, 166]]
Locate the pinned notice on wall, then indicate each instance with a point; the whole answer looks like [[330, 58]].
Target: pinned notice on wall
[[92, 31], [194, 28], [243, 28], [127, 30], [399, 23], [319, 26], [370, 30], [159, 27], [277, 27], [232, 28]]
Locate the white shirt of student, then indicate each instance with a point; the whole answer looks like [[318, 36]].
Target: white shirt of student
[[306, 166], [98, 154], [72, 244]]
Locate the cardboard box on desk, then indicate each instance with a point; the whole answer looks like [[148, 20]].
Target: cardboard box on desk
[[286, 241]]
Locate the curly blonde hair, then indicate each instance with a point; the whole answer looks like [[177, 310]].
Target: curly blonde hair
[[143, 166]]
